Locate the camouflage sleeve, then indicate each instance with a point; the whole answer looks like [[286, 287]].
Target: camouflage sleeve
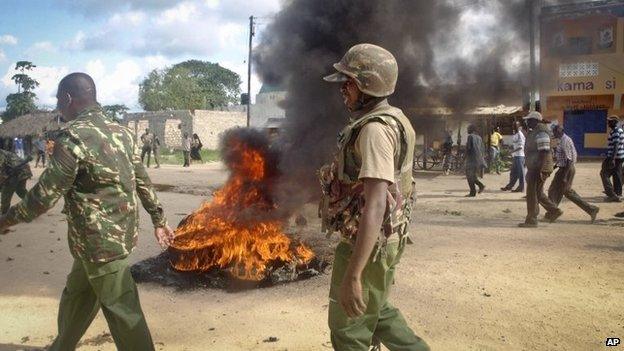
[[147, 194], [53, 183], [3, 173]]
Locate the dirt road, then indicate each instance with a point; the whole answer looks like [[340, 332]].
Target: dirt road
[[471, 281]]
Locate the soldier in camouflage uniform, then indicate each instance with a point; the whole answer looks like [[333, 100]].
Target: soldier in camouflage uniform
[[367, 196], [95, 169], [14, 172]]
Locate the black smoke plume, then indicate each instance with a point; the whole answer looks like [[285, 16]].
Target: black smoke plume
[[306, 37]]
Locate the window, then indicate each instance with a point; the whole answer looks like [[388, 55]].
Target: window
[[579, 46], [579, 69]]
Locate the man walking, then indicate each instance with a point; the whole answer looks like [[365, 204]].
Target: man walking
[[475, 161], [95, 169], [186, 149], [565, 159], [495, 141], [148, 140], [156, 150], [612, 165], [368, 194], [539, 167], [14, 172], [517, 167], [40, 147]]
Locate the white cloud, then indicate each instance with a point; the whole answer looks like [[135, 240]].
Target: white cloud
[[194, 27], [120, 84], [77, 42], [48, 78], [2, 56], [8, 39], [97, 8], [39, 48]]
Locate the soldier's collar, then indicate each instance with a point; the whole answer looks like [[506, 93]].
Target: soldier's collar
[[370, 105], [89, 110]]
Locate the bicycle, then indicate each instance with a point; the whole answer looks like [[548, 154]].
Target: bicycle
[[434, 158]]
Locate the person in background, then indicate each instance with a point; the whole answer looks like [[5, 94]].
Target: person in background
[[18, 147], [196, 146], [475, 161], [148, 140], [156, 150], [539, 167], [447, 152], [565, 159], [40, 148], [517, 167], [495, 144], [49, 147], [612, 165], [186, 149]]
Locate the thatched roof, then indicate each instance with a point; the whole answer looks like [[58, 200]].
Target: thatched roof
[[30, 124]]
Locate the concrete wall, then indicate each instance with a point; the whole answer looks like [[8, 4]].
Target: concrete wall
[[210, 125], [167, 125], [170, 125]]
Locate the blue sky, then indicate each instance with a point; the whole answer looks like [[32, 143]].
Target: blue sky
[[119, 41]]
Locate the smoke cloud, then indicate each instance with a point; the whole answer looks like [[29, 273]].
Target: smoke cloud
[[450, 53]]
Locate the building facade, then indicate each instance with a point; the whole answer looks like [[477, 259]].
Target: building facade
[[268, 112], [582, 69]]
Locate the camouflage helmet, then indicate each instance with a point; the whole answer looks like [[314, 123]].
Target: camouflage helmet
[[373, 68]]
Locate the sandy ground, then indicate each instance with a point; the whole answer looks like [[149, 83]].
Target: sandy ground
[[472, 281]]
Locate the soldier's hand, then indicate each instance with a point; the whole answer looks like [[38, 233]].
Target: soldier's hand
[[164, 236], [351, 296]]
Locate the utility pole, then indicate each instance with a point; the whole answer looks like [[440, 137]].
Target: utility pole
[[531, 4], [251, 35]]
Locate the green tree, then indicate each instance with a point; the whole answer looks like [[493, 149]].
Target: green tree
[[209, 84], [116, 111], [23, 101], [174, 88]]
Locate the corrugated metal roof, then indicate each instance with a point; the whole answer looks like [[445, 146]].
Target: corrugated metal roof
[[499, 110]]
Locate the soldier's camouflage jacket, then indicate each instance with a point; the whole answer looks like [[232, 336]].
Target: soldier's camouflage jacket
[[96, 170], [12, 166]]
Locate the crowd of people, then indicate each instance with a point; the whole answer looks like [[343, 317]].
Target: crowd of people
[[536, 154]]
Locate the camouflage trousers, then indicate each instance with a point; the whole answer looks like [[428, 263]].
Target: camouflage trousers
[[107, 286], [8, 189], [381, 322]]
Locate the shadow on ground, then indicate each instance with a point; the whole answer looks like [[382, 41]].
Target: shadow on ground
[[594, 247]]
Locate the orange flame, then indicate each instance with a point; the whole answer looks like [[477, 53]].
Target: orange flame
[[218, 235]]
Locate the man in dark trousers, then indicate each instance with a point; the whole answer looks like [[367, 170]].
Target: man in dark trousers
[[539, 164], [475, 161], [148, 143], [565, 159], [95, 169], [612, 165]]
